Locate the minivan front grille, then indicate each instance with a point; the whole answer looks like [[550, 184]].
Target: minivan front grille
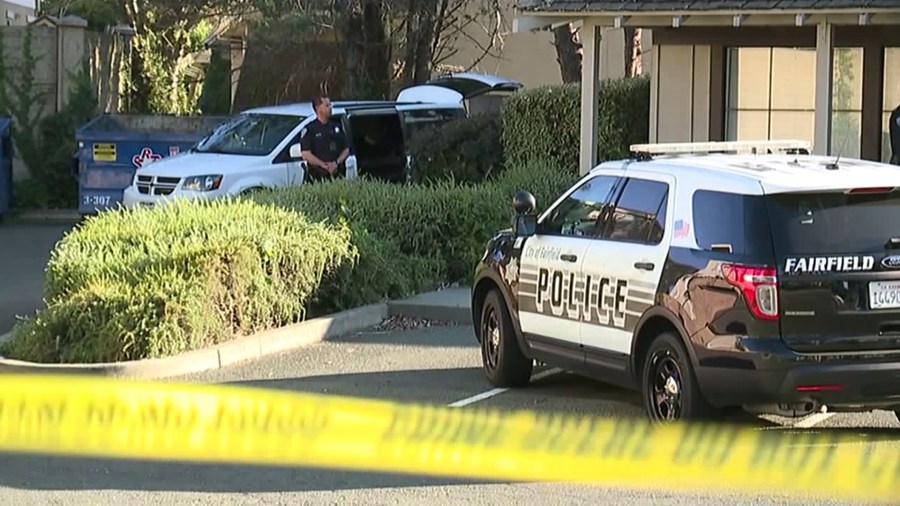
[[157, 185]]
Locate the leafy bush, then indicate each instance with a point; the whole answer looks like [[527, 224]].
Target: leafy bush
[[142, 283], [545, 122], [137, 284], [462, 150]]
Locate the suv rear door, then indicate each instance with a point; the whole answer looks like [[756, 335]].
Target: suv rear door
[[838, 257]]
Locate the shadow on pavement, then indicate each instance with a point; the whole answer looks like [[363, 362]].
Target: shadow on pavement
[[32, 472]]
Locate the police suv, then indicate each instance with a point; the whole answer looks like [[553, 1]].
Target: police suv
[[707, 276]]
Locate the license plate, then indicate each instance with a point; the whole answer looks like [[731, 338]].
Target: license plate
[[884, 294]]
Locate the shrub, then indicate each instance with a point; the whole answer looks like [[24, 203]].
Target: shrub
[[136, 284], [128, 285], [545, 122], [462, 150], [440, 227]]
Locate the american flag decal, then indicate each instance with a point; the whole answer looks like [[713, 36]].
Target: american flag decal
[[682, 228]]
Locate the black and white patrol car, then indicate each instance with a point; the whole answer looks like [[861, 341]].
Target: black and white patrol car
[[706, 276]]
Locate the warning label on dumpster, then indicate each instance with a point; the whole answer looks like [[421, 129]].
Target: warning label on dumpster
[[104, 152]]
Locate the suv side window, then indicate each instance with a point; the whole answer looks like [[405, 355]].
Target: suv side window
[[640, 213], [580, 212], [731, 222]]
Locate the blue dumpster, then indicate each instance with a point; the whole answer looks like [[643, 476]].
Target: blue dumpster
[[6, 160], [112, 146]]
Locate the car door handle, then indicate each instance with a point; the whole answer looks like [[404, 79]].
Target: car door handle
[[568, 258], [644, 266]]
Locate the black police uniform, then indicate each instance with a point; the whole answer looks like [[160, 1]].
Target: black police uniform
[[327, 141], [894, 136]]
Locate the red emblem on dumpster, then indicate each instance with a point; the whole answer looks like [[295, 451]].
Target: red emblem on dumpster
[[145, 157]]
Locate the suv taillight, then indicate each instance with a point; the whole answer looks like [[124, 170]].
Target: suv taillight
[[759, 286]]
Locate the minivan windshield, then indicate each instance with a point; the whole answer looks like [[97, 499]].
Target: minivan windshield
[[834, 221], [250, 134]]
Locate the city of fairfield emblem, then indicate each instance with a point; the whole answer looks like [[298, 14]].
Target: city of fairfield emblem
[[145, 157]]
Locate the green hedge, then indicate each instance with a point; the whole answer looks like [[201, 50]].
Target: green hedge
[[464, 150], [137, 284], [545, 122], [141, 284], [440, 227]]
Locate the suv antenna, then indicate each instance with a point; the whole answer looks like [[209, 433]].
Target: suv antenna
[[834, 165]]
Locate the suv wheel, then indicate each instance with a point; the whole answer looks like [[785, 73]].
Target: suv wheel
[[504, 363], [669, 387]]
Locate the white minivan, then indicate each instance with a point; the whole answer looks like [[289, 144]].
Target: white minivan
[[259, 148]]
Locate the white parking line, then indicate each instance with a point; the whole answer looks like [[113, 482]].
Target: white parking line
[[495, 391], [812, 420]]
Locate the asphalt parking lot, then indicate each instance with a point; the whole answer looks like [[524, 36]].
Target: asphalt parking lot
[[439, 365]]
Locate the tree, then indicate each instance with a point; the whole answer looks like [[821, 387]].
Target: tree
[[568, 52], [167, 35]]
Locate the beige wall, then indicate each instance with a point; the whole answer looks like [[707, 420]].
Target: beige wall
[[679, 93], [528, 57], [702, 92]]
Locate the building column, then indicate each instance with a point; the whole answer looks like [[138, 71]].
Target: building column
[[824, 88], [590, 100], [872, 101]]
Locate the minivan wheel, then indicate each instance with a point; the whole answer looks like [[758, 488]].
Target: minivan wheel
[[669, 388], [504, 363]]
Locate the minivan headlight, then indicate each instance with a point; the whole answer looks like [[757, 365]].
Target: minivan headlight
[[203, 183]]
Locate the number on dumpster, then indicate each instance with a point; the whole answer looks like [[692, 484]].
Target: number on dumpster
[[96, 200]]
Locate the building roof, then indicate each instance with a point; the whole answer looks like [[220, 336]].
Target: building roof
[[700, 6]]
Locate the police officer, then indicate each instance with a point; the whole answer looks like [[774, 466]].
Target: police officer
[[323, 143]]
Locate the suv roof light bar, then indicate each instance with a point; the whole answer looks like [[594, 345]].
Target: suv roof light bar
[[676, 148]]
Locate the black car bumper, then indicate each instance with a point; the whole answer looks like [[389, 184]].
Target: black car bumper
[[765, 371]]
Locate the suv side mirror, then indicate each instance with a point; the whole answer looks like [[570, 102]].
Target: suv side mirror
[[524, 221], [296, 151]]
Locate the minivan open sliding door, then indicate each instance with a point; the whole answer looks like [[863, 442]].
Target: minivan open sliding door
[[376, 140]]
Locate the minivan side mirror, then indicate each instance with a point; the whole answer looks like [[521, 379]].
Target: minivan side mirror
[[524, 220], [296, 151]]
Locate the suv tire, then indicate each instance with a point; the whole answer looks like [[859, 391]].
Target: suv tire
[[504, 363], [669, 388]]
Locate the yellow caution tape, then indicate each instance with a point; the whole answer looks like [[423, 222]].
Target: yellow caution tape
[[103, 417]]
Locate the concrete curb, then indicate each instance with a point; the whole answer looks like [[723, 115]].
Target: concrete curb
[[244, 348]]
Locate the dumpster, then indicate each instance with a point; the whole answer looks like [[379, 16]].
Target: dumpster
[[112, 146], [6, 161]]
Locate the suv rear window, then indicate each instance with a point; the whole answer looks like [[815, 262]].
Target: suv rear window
[[731, 221], [833, 222]]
